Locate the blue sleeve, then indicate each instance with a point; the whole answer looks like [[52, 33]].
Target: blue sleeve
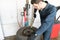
[[48, 21]]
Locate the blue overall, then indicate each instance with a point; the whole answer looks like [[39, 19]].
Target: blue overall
[[47, 20]]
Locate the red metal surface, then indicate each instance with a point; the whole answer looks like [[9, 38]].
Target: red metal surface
[[55, 30]]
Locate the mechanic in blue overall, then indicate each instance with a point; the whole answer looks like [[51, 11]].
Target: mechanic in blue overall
[[47, 13]]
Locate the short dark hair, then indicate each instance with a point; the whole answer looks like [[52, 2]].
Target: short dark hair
[[35, 1]]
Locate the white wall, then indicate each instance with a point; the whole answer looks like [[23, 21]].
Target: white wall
[[54, 2], [1, 32], [8, 11]]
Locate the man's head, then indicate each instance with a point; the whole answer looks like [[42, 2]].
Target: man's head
[[37, 3]]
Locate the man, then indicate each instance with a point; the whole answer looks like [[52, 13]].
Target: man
[[47, 13]]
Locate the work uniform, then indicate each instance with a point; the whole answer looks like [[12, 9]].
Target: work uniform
[[47, 20]]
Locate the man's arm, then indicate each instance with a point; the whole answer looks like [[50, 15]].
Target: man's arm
[[33, 16], [47, 23]]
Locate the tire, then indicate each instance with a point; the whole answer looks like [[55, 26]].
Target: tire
[[20, 35]]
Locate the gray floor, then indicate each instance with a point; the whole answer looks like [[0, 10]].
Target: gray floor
[[10, 38], [59, 36], [14, 38]]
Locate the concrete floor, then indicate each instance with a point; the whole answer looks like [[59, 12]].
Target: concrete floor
[[14, 38], [10, 38], [59, 36]]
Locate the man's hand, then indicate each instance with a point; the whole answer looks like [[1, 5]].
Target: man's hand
[[33, 37]]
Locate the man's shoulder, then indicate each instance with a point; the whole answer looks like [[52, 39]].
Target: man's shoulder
[[51, 7]]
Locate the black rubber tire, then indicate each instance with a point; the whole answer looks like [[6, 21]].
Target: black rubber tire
[[20, 36]]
